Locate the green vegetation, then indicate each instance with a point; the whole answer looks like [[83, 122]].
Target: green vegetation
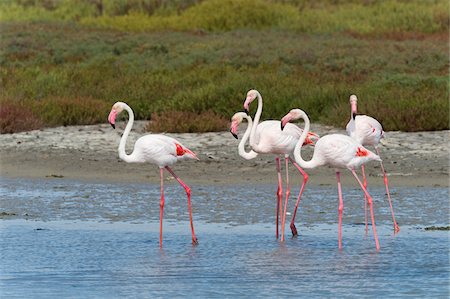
[[187, 65]]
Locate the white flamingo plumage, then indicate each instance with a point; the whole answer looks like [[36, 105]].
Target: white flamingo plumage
[[339, 151], [157, 149], [268, 138], [368, 131]]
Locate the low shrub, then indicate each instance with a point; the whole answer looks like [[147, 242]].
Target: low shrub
[[17, 118], [71, 111]]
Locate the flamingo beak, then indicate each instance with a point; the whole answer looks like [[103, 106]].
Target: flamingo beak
[[354, 109], [233, 129], [247, 102], [112, 118], [246, 107]]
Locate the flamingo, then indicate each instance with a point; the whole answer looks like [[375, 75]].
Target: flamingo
[[268, 138], [156, 149], [339, 151], [368, 131]]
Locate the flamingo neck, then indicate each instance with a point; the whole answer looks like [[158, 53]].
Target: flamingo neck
[[251, 154], [122, 154], [351, 126], [256, 120], [298, 147]]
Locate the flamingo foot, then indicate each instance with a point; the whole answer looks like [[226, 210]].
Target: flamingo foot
[[294, 230], [396, 228], [194, 241]]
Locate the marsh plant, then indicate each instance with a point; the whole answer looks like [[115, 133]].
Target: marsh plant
[[66, 62]]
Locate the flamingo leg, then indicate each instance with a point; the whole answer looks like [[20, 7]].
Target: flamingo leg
[[279, 192], [396, 227], [340, 208], [305, 180], [369, 201], [188, 193], [288, 192], [365, 198], [161, 205]]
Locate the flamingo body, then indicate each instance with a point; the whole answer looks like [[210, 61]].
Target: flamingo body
[[340, 151], [270, 139], [160, 150], [365, 129]]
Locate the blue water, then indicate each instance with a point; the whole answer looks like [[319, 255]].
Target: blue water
[[67, 239]]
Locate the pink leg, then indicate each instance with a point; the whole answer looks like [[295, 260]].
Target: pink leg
[[288, 192], [369, 201], [161, 205], [305, 179], [365, 198], [340, 208], [279, 192], [396, 227], [188, 192]]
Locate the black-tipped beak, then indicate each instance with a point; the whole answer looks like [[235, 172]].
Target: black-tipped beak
[[113, 126], [353, 115], [246, 111], [282, 126], [234, 135]]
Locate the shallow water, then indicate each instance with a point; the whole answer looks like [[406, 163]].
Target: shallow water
[[65, 238]]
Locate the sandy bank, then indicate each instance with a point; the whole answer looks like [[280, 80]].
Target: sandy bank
[[90, 153]]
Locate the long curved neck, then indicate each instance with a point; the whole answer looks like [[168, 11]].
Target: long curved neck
[[122, 154], [251, 154], [298, 147], [256, 120]]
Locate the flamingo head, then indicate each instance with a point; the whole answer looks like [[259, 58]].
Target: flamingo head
[[353, 102], [235, 121], [294, 114], [115, 110], [251, 96]]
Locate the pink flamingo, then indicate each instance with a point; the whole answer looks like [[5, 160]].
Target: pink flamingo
[[156, 149], [368, 131], [339, 151], [268, 138]]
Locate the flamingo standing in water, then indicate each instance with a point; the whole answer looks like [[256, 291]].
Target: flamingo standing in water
[[339, 151], [368, 131], [268, 138], [156, 149]]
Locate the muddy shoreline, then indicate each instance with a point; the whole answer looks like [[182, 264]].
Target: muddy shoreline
[[89, 153]]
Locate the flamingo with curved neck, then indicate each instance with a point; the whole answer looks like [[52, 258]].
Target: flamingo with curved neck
[[157, 149], [268, 138], [339, 151]]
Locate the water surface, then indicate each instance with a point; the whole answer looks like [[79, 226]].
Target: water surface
[[64, 238]]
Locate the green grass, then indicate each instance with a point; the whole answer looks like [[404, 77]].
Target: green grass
[[223, 15], [65, 71]]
